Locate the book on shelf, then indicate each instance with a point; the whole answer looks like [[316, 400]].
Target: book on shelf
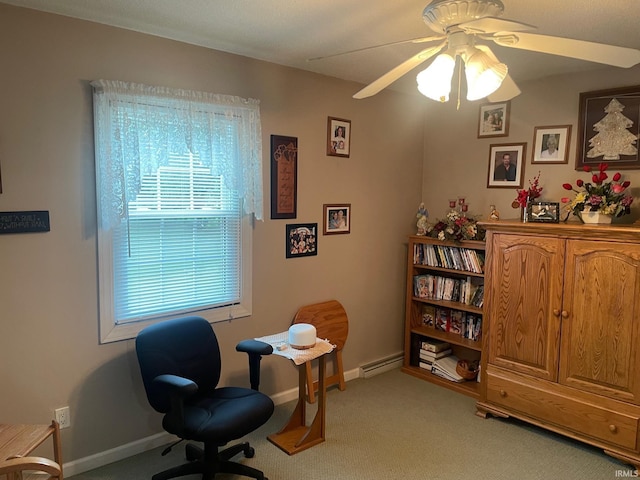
[[434, 345], [428, 315], [442, 319], [457, 318], [425, 365], [446, 367], [431, 356]]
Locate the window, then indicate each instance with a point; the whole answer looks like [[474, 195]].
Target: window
[[178, 175]]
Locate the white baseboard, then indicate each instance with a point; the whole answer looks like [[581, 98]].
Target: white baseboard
[[101, 459], [382, 365]]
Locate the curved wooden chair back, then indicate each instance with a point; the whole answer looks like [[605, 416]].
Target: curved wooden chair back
[[23, 468], [332, 324]]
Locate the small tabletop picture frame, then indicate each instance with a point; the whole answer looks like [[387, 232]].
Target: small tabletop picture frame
[[338, 137], [543, 212], [551, 144], [337, 218], [494, 120]]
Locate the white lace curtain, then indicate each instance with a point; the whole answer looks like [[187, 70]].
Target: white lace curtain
[[136, 126]]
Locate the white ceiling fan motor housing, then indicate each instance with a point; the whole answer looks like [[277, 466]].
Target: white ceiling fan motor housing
[[440, 15]]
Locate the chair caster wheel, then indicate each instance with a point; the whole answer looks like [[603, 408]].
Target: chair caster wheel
[[249, 452]]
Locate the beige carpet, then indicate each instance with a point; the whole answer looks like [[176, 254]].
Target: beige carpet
[[394, 426]]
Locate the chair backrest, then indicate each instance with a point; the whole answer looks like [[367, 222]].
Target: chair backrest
[[330, 320], [186, 347], [16, 467]]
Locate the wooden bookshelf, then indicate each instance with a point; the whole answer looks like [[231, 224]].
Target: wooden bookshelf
[[416, 330]]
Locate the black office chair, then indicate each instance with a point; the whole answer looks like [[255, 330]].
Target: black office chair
[[180, 365]]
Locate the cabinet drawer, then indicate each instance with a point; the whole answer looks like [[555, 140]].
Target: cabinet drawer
[[553, 407]]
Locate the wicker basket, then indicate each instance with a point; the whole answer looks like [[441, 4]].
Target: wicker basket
[[467, 370]]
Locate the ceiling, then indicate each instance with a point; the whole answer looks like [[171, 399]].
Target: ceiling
[[288, 32]]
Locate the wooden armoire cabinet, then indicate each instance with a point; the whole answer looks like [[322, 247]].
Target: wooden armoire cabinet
[[562, 331]]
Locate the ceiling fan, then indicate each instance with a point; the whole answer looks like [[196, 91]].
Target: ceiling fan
[[459, 24]]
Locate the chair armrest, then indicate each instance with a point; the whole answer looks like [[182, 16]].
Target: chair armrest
[[178, 388], [255, 349]]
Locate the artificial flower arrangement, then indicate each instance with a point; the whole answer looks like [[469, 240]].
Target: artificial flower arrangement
[[526, 196], [456, 227], [609, 198]]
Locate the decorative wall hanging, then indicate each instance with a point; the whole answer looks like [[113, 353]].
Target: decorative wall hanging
[[284, 176], [494, 120], [551, 144], [608, 128], [338, 137], [337, 218], [301, 239], [24, 222], [506, 165]]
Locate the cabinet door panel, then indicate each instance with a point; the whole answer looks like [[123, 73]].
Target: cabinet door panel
[[600, 335], [526, 278]]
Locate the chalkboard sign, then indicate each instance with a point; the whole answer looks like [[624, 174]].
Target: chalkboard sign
[[24, 222]]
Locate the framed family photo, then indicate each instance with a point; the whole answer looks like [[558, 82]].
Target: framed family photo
[[337, 218], [494, 120], [543, 212], [338, 137], [609, 128], [301, 240], [506, 165], [551, 144]]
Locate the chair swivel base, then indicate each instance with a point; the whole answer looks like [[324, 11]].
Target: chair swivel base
[[210, 462]]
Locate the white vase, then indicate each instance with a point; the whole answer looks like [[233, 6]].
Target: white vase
[[595, 217]]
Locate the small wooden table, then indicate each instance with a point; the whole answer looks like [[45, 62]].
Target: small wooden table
[[21, 440], [296, 435]]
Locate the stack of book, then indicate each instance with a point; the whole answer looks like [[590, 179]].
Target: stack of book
[[446, 368], [432, 350]]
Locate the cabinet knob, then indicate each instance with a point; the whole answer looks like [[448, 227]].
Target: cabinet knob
[[556, 312], [565, 314], [503, 393], [613, 428]]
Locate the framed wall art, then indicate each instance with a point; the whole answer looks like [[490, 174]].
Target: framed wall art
[[543, 212], [608, 128], [506, 165], [301, 239], [284, 174], [338, 137], [337, 218], [494, 120], [551, 144]]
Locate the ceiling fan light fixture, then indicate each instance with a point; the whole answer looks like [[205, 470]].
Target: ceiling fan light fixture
[[434, 82], [484, 75]]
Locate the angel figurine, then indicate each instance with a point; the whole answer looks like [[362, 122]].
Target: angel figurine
[[422, 223]]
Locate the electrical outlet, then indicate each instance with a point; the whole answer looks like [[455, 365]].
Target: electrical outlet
[[63, 417]]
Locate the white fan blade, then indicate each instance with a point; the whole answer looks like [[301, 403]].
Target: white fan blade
[[508, 88], [363, 49], [566, 47], [493, 25], [392, 75]]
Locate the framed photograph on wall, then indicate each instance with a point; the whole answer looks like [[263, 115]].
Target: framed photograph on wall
[[284, 175], [338, 137], [301, 239], [494, 120], [551, 144], [506, 165], [543, 212], [337, 218], [609, 128]]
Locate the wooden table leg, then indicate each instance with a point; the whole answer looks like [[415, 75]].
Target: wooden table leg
[[296, 435]]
